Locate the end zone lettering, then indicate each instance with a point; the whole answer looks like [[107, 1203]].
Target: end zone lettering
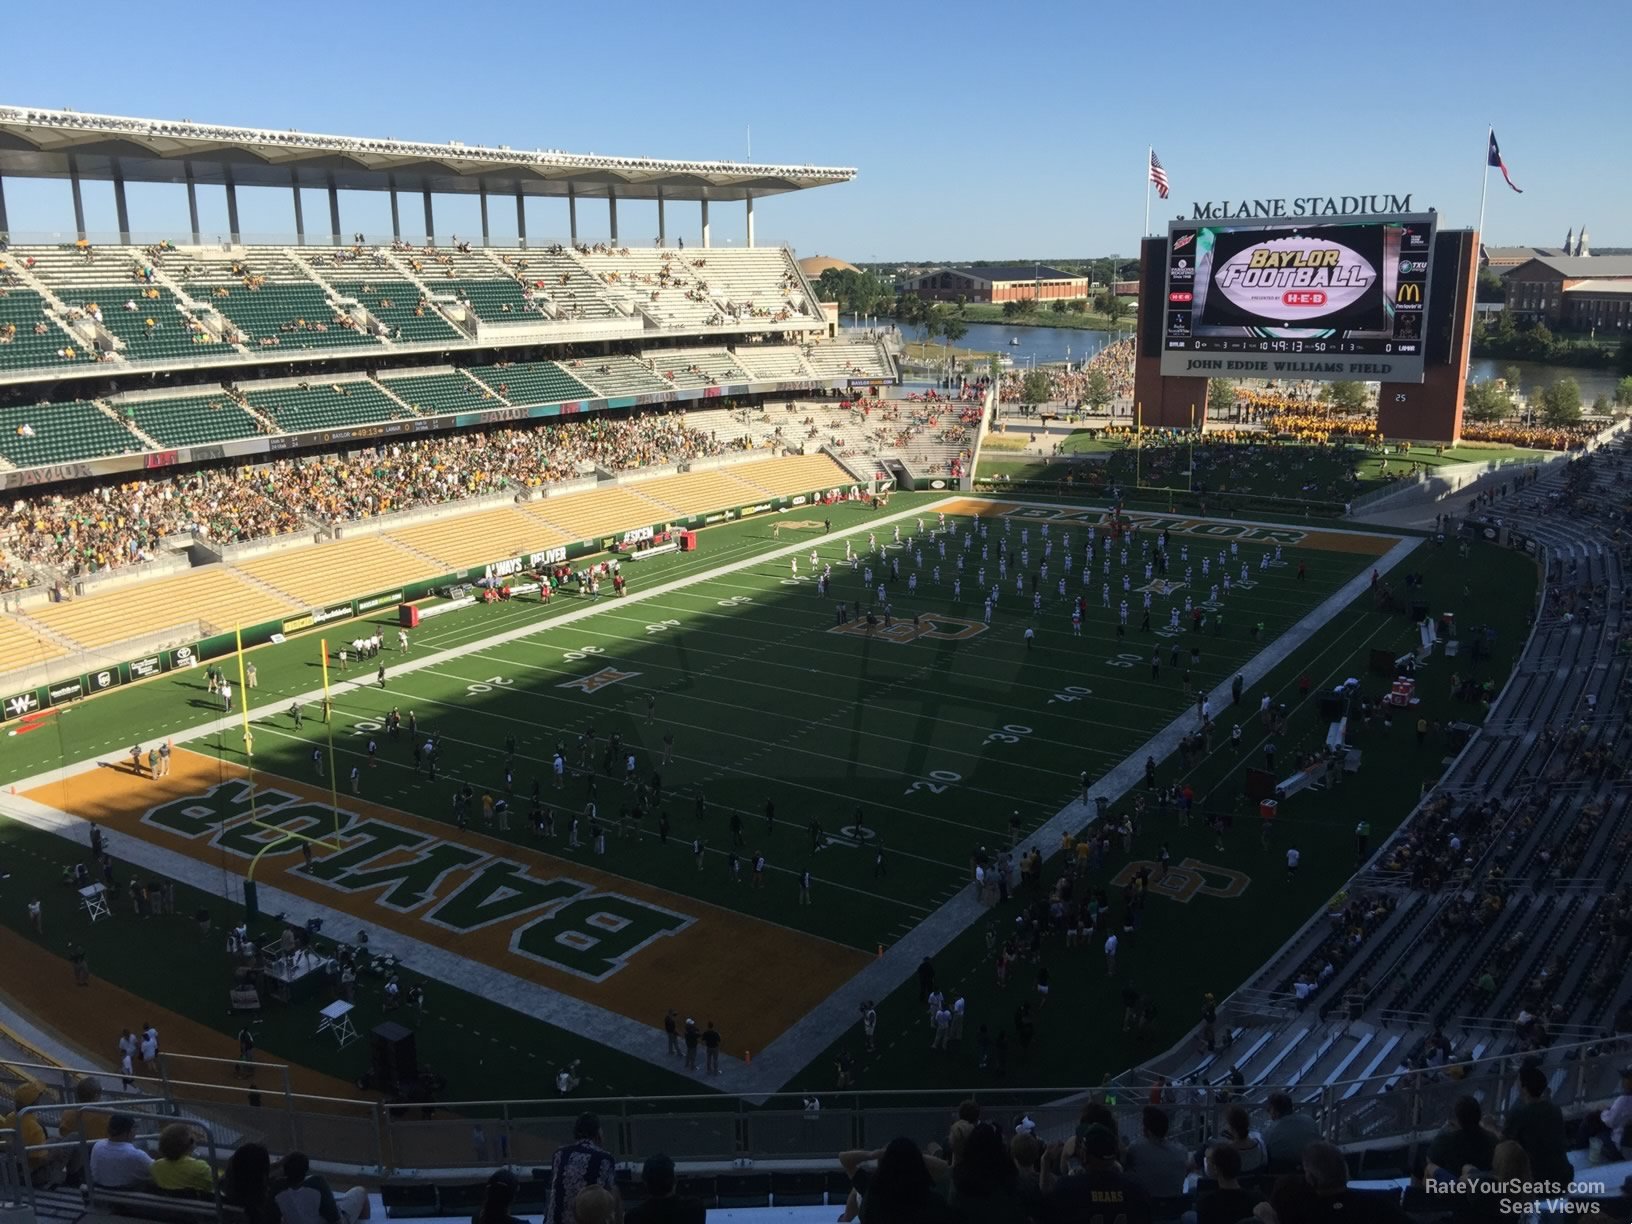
[[559, 922]]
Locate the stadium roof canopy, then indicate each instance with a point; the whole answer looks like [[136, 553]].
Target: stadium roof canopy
[[37, 143]]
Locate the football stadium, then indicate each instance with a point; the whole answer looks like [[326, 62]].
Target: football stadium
[[560, 728]]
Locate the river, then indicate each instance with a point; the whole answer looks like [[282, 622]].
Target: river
[[1053, 344], [1535, 378], [1043, 344]]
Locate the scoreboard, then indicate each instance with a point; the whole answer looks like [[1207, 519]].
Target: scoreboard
[[1299, 298]]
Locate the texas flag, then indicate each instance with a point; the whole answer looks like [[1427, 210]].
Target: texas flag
[[1494, 158]]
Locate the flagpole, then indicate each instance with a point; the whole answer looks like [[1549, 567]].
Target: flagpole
[[1150, 151], [1484, 186]]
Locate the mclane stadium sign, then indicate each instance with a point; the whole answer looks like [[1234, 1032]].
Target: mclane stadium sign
[[1302, 206]]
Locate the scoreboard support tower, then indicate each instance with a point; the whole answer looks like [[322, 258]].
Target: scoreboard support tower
[[1166, 402], [1431, 411]]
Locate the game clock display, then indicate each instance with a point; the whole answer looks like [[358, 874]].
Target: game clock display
[[1301, 298]]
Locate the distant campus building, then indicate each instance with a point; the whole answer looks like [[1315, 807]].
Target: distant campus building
[[996, 283]]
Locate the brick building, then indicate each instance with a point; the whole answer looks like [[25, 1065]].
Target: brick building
[[996, 283], [1574, 293]]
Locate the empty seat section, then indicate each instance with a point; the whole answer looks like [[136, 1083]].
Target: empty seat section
[[695, 367], [340, 570], [692, 492], [584, 516], [440, 394], [186, 420], [21, 647], [219, 598], [32, 435], [533, 382], [617, 375], [842, 360], [326, 405], [773, 361], [795, 474], [476, 539]]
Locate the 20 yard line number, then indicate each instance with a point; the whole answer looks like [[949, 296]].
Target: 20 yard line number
[[936, 783]]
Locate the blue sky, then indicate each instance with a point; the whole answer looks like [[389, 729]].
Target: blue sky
[[979, 130]]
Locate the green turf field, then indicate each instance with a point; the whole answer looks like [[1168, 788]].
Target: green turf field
[[924, 744]]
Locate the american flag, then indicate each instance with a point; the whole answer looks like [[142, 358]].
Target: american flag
[[1158, 174]]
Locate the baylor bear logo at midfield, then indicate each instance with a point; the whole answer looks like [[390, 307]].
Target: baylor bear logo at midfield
[[558, 921], [930, 628]]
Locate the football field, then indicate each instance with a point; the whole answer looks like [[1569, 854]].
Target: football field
[[881, 759]]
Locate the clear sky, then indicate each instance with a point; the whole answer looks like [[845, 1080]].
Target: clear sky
[[980, 130]]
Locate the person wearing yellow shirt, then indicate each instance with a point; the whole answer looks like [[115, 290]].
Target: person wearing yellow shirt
[[177, 1168], [29, 1131]]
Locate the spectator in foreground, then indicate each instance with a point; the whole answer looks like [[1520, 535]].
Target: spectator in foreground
[[1153, 1160], [1465, 1144], [597, 1205], [305, 1198], [497, 1199], [1227, 1203], [1287, 1134], [663, 1205], [247, 1184], [1537, 1125], [177, 1169], [1323, 1194], [985, 1183], [1027, 1151], [902, 1189], [92, 1123], [1098, 1190], [29, 1131], [1238, 1135], [1612, 1127], [583, 1162], [116, 1162]]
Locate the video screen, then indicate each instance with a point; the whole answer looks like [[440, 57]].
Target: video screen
[[1300, 298]]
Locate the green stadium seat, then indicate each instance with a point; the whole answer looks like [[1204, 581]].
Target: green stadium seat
[[533, 382], [395, 303], [441, 394], [62, 433], [21, 312], [189, 420], [167, 339], [326, 405]]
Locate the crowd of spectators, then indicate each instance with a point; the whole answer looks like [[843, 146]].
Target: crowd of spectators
[[933, 433], [1072, 384], [116, 524]]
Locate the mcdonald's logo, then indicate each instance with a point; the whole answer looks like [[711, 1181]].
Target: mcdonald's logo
[[1409, 291]]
